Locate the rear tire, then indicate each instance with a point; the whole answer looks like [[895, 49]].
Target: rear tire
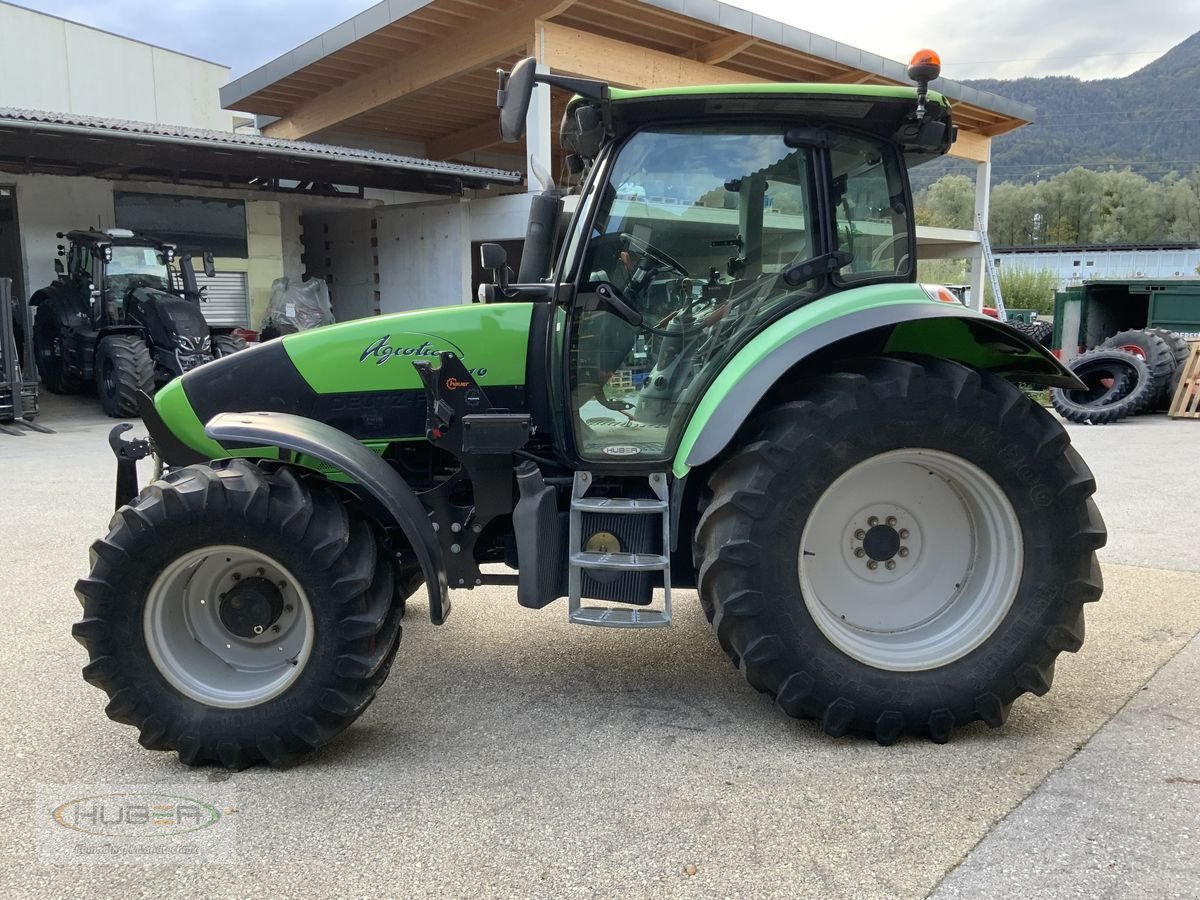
[[863, 649], [1120, 384], [228, 344], [48, 341], [123, 368], [159, 594], [1155, 350]]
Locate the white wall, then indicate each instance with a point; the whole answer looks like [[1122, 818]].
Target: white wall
[[47, 204], [424, 255], [1076, 265], [339, 245], [54, 65]]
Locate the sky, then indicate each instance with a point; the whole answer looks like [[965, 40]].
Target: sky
[[976, 38]]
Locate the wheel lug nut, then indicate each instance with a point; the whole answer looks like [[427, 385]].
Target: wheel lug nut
[[288, 608], [259, 572], [891, 520], [872, 565], [859, 535], [283, 585], [891, 564], [275, 628], [904, 534], [904, 551], [873, 521], [237, 577], [258, 629], [860, 552]]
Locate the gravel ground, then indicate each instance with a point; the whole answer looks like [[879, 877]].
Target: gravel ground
[[513, 755]]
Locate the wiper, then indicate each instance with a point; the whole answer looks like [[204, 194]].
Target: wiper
[[807, 269]]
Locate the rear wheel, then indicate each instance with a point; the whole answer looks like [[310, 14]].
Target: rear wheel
[[228, 344], [123, 368], [1155, 350], [238, 615], [48, 343], [931, 562]]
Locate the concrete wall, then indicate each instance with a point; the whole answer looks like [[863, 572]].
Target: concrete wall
[[47, 204], [424, 255], [338, 247], [51, 64]]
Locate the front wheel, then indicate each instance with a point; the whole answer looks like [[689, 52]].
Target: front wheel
[[124, 368], [235, 615], [930, 563], [49, 346]]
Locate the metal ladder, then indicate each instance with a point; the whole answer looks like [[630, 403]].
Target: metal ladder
[[989, 265], [580, 560]]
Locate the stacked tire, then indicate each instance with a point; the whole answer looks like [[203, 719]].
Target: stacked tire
[[1130, 373]]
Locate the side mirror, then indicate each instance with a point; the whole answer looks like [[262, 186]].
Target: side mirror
[[513, 97], [495, 258], [59, 268], [210, 268]]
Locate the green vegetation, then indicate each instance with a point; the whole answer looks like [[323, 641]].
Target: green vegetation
[[1025, 289], [1079, 206]]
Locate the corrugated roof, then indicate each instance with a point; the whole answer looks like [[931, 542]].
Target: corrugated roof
[[259, 144]]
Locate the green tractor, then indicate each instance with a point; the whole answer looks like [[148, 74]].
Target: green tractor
[[724, 377]]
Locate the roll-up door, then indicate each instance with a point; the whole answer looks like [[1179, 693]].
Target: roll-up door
[[227, 299]]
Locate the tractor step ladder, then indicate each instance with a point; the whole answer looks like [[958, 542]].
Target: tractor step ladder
[[989, 265], [581, 561]]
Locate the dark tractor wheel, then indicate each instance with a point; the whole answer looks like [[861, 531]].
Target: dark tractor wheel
[[48, 345], [1157, 353], [227, 344], [1042, 332], [930, 563], [1180, 350], [1119, 384], [237, 615], [123, 367]]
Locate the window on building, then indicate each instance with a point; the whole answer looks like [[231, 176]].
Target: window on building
[[1091, 262], [194, 224], [1075, 263]]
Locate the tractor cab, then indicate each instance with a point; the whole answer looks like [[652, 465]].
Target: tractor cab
[[705, 215]]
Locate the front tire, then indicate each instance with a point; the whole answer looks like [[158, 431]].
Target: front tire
[[968, 490], [237, 615], [123, 368]]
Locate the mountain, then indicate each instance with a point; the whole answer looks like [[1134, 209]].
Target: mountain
[[1148, 121]]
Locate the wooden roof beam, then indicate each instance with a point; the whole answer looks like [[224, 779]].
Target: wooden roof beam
[[716, 52], [469, 139], [487, 39], [592, 56]]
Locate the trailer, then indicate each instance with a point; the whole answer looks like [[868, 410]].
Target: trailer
[[1086, 314]]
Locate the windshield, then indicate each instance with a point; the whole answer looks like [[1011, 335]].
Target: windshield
[[131, 266], [695, 230]]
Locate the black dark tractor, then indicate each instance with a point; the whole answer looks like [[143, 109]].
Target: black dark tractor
[[726, 378], [121, 316]]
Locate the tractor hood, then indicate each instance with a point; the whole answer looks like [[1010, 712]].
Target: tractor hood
[[167, 317], [356, 376]]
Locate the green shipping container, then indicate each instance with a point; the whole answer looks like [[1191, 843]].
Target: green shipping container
[[1085, 314]]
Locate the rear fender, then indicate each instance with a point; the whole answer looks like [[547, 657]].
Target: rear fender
[[895, 326], [300, 435]]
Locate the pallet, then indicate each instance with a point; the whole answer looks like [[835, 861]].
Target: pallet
[[1186, 404]]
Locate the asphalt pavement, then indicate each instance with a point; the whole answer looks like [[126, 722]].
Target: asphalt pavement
[[513, 755]]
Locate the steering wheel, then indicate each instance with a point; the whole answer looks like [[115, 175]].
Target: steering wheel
[[649, 251]]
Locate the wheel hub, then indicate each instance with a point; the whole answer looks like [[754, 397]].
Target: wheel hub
[[869, 584], [252, 607]]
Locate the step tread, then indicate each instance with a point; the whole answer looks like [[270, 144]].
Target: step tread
[[616, 617], [643, 562], [619, 505]]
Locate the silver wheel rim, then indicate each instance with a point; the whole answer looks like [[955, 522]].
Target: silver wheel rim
[[194, 648], [910, 560]]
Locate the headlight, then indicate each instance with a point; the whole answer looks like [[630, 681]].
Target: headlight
[[941, 293]]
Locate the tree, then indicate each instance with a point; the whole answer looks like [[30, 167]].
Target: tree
[[948, 203]]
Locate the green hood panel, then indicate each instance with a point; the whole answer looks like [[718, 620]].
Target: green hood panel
[[357, 376], [376, 354]]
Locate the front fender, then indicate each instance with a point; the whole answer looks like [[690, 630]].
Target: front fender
[[899, 319], [339, 450]]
